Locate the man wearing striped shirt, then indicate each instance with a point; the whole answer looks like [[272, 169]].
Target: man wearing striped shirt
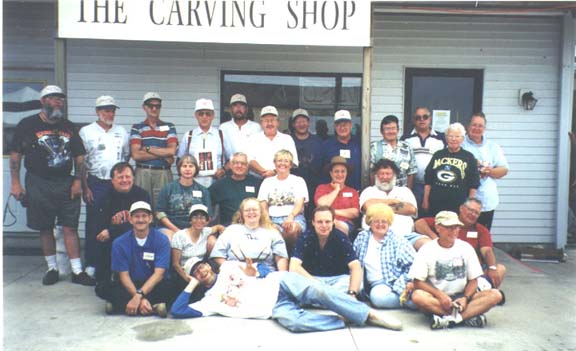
[[153, 146]]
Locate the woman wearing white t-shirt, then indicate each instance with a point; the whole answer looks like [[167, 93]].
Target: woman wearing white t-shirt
[[284, 196], [251, 235]]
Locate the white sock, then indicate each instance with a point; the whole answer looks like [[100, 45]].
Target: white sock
[[76, 264], [91, 271], [51, 261]]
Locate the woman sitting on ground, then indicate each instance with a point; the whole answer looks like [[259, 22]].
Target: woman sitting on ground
[[386, 259], [251, 235]]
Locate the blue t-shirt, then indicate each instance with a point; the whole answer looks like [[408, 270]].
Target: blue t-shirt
[[351, 152], [140, 261], [331, 261]]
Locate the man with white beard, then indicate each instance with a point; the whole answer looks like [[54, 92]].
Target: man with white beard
[[400, 198], [106, 144]]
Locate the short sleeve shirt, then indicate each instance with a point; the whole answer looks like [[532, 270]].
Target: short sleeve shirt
[[346, 198], [330, 261], [146, 135], [104, 148], [402, 155], [49, 149], [182, 241], [175, 201], [282, 194], [140, 261], [228, 193]]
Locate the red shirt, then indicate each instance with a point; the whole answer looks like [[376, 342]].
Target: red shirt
[[347, 198], [477, 235]]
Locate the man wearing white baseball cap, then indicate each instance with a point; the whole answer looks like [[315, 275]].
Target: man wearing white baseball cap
[[239, 129], [153, 146], [51, 145], [344, 144], [140, 258], [445, 272], [106, 144], [206, 144], [263, 146]]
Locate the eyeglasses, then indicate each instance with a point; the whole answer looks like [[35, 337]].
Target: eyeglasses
[[421, 117], [154, 106], [251, 210], [239, 163], [379, 221], [472, 210], [204, 113], [198, 218], [390, 129]]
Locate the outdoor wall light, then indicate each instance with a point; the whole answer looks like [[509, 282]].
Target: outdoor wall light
[[527, 100]]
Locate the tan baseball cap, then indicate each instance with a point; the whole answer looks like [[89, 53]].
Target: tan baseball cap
[[447, 219]]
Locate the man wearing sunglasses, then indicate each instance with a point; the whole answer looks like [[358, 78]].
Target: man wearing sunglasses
[[153, 146], [424, 141]]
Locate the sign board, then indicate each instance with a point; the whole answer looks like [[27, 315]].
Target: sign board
[[277, 22]]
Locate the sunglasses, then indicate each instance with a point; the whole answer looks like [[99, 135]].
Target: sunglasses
[[421, 117], [154, 106]]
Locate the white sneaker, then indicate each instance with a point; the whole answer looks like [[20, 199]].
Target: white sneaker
[[379, 319], [442, 322]]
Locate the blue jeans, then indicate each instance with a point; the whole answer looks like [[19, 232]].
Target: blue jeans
[[93, 254], [339, 282], [296, 290], [382, 296]]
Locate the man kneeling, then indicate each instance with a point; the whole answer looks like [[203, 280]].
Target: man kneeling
[[242, 291], [445, 273], [140, 257]]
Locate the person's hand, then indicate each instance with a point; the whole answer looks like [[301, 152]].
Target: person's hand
[[249, 269], [336, 186], [220, 173], [425, 205], [461, 303], [268, 173], [288, 223], [218, 228], [145, 307], [494, 277], [445, 303], [88, 196], [17, 191], [103, 235], [75, 189], [133, 305]]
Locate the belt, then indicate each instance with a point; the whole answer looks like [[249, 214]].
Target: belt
[[152, 167]]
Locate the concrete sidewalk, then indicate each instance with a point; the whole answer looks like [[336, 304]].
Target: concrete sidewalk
[[540, 314]]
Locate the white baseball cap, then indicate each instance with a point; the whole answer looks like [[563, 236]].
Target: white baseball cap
[[151, 95], [300, 112], [51, 90], [106, 101], [269, 110], [198, 207], [204, 104], [342, 115], [140, 205], [190, 263], [238, 98]]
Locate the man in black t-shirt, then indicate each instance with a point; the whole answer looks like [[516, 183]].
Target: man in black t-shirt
[[113, 216], [51, 145]]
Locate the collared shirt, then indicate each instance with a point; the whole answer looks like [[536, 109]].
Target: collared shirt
[[396, 257], [144, 134], [489, 154], [402, 224], [424, 149], [104, 148], [141, 260], [262, 149], [352, 152], [206, 147], [402, 155], [346, 198], [236, 139], [332, 260]]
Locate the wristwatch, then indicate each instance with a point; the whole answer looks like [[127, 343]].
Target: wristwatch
[[148, 149], [493, 268], [140, 292], [352, 292]]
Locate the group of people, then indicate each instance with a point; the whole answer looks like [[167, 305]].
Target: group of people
[[260, 223]]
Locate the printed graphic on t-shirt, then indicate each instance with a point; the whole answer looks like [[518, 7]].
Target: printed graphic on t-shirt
[[56, 145], [451, 269], [281, 197]]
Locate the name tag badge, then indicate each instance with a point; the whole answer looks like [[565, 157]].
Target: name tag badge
[[404, 165], [345, 153], [250, 189], [472, 235], [148, 256], [347, 194], [164, 128], [196, 193]]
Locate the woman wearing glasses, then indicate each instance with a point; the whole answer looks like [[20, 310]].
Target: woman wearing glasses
[[386, 258], [451, 176], [251, 235]]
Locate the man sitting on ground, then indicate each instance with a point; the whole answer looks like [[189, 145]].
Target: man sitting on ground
[[445, 273]]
